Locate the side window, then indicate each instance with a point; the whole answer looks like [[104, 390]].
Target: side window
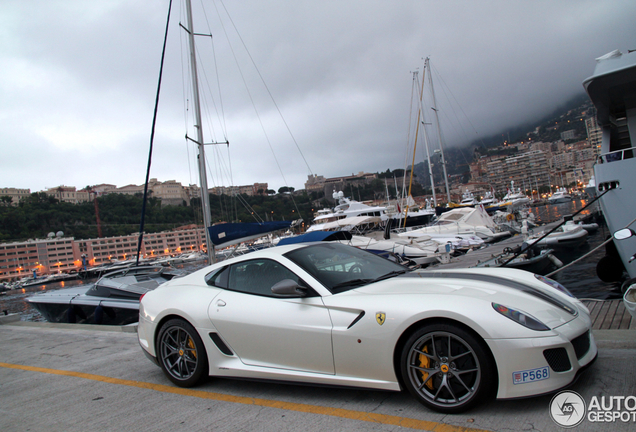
[[258, 276], [218, 278]]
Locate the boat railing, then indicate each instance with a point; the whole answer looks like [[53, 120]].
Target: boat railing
[[616, 155], [135, 270]]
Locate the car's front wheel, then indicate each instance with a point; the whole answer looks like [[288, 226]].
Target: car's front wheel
[[446, 368], [181, 353]]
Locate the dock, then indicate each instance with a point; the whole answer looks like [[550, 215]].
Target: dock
[[609, 315]]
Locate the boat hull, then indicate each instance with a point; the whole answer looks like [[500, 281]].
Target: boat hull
[[559, 200], [619, 203], [72, 306]]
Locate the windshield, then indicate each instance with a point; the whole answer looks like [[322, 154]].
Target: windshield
[[341, 268]]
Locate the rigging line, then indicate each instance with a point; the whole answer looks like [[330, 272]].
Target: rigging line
[[408, 138], [445, 86], [587, 254], [249, 208], [420, 115], [260, 121], [216, 70], [536, 242], [229, 159], [252, 99], [152, 135], [266, 87], [205, 102], [207, 162], [458, 123], [197, 214]]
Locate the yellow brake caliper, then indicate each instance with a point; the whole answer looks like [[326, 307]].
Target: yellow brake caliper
[[425, 362], [191, 345]]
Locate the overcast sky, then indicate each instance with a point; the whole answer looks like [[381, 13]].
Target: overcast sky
[[297, 87]]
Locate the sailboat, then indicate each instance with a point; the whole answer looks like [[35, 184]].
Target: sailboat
[[421, 122], [227, 234]]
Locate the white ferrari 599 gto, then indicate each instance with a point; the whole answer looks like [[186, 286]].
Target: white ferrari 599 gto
[[326, 313]]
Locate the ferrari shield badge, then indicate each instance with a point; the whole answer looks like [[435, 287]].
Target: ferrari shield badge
[[380, 317]]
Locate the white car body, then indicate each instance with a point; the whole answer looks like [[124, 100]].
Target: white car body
[[340, 339]]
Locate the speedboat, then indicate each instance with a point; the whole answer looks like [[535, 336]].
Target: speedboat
[[112, 300], [568, 235], [612, 89], [560, 196], [533, 260]]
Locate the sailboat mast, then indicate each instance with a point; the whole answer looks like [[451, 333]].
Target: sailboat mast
[[205, 198], [439, 130], [428, 151]]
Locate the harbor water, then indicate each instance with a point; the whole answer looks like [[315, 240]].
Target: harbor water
[[580, 278]]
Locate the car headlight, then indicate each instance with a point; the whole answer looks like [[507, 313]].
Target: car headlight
[[520, 317], [554, 284]]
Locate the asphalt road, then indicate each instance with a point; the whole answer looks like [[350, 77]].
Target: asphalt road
[[83, 378]]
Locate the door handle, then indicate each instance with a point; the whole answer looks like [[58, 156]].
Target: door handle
[[220, 303]]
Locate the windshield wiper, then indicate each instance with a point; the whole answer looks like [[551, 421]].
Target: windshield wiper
[[352, 282], [390, 275]]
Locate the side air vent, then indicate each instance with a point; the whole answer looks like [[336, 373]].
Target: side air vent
[[220, 344], [358, 318]]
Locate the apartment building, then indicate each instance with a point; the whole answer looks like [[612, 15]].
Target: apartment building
[[41, 256], [60, 254], [594, 134]]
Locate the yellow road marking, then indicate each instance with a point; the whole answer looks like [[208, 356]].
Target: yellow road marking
[[289, 406]]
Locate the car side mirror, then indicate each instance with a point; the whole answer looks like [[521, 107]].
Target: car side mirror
[[288, 287], [624, 233]]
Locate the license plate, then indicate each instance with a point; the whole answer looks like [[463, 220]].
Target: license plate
[[531, 375]]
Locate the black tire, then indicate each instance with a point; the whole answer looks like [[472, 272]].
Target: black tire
[[447, 382], [181, 353]]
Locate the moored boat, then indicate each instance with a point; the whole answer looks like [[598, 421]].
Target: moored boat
[[568, 235], [560, 196], [112, 300], [612, 89]]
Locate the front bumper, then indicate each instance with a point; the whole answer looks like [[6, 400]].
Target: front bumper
[[567, 350]]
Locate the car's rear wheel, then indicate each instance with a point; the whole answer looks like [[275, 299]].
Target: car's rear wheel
[[446, 368], [181, 353]]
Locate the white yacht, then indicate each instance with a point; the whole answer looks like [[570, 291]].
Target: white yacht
[[348, 208], [513, 199], [560, 196], [612, 89], [468, 199]]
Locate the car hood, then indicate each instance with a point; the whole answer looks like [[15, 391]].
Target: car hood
[[512, 288]]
